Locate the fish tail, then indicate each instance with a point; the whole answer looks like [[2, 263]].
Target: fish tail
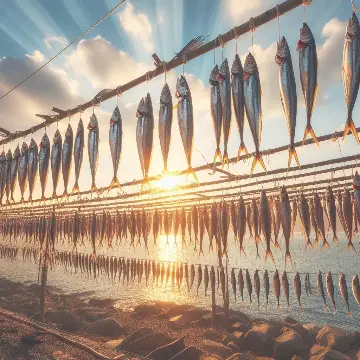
[[217, 155], [278, 306], [94, 188], [190, 173], [351, 246], [225, 158], [43, 198], [7, 202], [257, 159], [115, 184], [242, 250], [201, 252], [293, 153], [145, 184], [288, 257], [309, 131], [309, 244], [242, 149], [269, 253], [300, 309], [336, 240], [75, 189], [349, 314], [327, 308], [350, 127], [54, 196], [325, 243], [12, 198], [22, 200]]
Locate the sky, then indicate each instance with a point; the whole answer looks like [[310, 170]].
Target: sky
[[120, 49]]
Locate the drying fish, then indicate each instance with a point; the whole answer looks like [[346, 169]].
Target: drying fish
[[308, 64], [9, 159], [78, 154], [356, 187], [23, 169], [201, 230], [144, 136], [223, 282], [216, 109], [199, 279], [267, 287], [195, 222], [304, 213], [320, 285], [2, 175], [344, 291], [192, 275], [115, 142], [308, 284], [233, 282], [165, 123], [297, 287], [186, 120], [257, 286], [14, 171], [93, 149], [277, 222], [330, 289], [348, 218], [293, 216], [66, 161], [241, 284], [276, 287], [44, 157], [331, 210], [313, 221], [351, 71], [356, 288], [187, 276], [212, 280], [56, 151], [252, 96], [287, 93], [285, 287], [225, 96], [248, 284], [213, 225], [206, 278], [255, 221], [93, 233], [224, 226], [237, 87], [285, 214], [265, 216], [234, 219], [241, 224], [319, 216]]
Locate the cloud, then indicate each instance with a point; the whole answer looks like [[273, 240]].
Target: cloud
[[137, 25], [54, 39], [239, 9]]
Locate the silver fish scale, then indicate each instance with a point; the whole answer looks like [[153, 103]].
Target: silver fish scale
[[216, 111], [115, 139], [186, 125], [93, 151], [44, 157], [13, 173], [32, 168], [78, 149], [237, 86], [23, 170], [67, 156], [144, 137], [225, 95], [55, 163]]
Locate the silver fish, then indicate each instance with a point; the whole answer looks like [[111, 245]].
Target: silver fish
[[14, 171], [276, 288], [225, 95], [285, 214], [339, 207], [2, 175], [66, 161], [241, 223], [186, 120], [330, 289], [255, 222], [320, 285], [93, 149], [319, 216], [297, 288], [32, 166], [206, 278], [356, 188], [115, 142], [285, 287], [344, 291], [56, 152], [331, 210], [165, 124], [216, 109], [144, 135], [44, 157], [308, 64], [78, 154], [267, 287], [233, 282], [287, 92], [224, 225], [351, 71], [252, 96], [237, 87], [348, 218], [257, 286], [248, 284], [9, 159], [265, 216], [356, 288], [304, 212], [23, 169], [241, 284], [293, 216]]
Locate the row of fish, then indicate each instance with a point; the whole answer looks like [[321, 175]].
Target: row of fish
[[126, 269]]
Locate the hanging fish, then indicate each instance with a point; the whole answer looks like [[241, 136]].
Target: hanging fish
[[216, 109], [8, 162], [340, 212], [23, 169], [308, 64], [356, 288], [252, 95], [285, 213], [348, 218], [115, 142], [56, 152], [313, 221], [201, 230], [344, 292], [3, 173], [241, 284], [351, 71], [195, 222], [93, 149], [255, 221], [66, 161], [186, 121], [257, 286], [287, 93], [285, 287], [293, 216], [297, 287], [206, 277], [225, 96], [199, 279], [192, 275], [265, 216], [304, 213], [356, 188], [14, 171], [319, 216], [331, 210], [248, 284], [212, 279], [187, 277], [44, 157], [233, 282], [78, 154], [224, 226], [330, 289], [32, 166], [241, 224], [234, 219], [93, 233], [267, 287], [222, 283]]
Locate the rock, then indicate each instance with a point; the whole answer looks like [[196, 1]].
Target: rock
[[335, 338], [32, 309], [238, 326], [238, 356], [267, 330], [257, 321], [297, 357], [147, 343], [290, 320], [138, 334], [240, 317], [212, 334], [188, 317], [30, 340], [91, 314], [318, 352], [146, 310], [190, 352], [178, 310], [217, 348], [101, 302], [228, 338], [233, 346], [260, 339], [66, 319], [167, 351], [288, 344], [106, 327], [114, 344], [311, 332], [164, 305]]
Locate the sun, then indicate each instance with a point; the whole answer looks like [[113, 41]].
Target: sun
[[168, 182]]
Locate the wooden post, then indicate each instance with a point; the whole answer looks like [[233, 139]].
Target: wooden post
[[43, 291], [213, 299], [226, 300]]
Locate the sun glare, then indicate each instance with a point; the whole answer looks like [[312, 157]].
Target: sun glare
[[168, 182]]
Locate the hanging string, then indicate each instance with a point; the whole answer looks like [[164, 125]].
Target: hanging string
[[278, 14], [184, 61], [222, 44], [214, 57], [236, 36], [164, 66], [118, 94], [355, 9], [252, 30]]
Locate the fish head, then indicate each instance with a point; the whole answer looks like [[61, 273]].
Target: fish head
[[115, 117], [283, 51], [224, 71], [33, 146], [165, 97], [69, 131], [57, 137], [236, 68], [250, 66], [141, 110], [356, 183], [213, 80], [9, 155], [24, 148], [148, 103], [44, 142], [16, 152], [353, 27], [306, 38], [182, 87], [80, 127], [93, 124], [283, 194], [2, 156], [355, 280]]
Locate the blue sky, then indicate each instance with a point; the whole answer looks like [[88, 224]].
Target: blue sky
[[120, 49]]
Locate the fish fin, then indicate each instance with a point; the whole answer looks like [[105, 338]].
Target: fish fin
[[257, 159], [54, 195], [242, 250], [217, 155], [145, 184], [325, 243], [349, 314], [288, 258], [269, 253], [94, 188], [242, 149], [22, 200], [190, 172], [309, 244], [115, 184], [65, 194], [278, 307], [292, 153], [351, 246], [336, 240], [43, 198], [75, 189], [309, 131], [225, 159], [350, 127]]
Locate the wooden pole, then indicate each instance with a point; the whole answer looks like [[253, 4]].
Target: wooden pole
[[43, 291]]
